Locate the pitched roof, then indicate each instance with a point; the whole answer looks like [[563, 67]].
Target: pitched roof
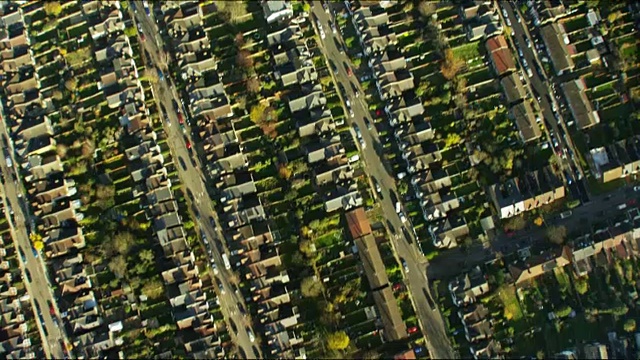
[[358, 223], [502, 61], [496, 43], [372, 262], [394, 327]]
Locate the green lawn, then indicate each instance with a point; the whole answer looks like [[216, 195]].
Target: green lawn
[[507, 296], [467, 51]]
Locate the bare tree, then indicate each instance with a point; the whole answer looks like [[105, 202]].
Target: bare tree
[[557, 234], [243, 59], [253, 85], [427, 8]]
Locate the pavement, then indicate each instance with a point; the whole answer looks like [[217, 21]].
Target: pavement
[[191, 177], [431, 321], [39, 288]]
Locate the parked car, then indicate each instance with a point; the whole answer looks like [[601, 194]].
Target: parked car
[[405, 266], [252, 337]]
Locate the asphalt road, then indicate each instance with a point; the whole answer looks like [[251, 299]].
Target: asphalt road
[[39, 288], [543, 89], [192, 179], [431, 321], [601, 208]]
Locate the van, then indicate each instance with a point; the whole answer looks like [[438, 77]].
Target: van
[[565, 214], [622, 206]]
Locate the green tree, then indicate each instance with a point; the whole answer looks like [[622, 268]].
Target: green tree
[[131, 31], [306, 7], [310, 287], [403, 188], [122, 242], [582, 286], [338, 340], [630, 325], [71, 84], [452, 139], [52, 8], [153, 289], [563, 311], [257, 112]]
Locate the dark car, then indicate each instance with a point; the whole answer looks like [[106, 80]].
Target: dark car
[[182, 163], [334, 67], [406, 234], [212, 221], [27, 274]]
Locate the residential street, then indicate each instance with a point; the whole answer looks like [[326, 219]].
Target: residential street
[[39, 289], [599, 209], [431, 321], [543, 89], [192, 180]]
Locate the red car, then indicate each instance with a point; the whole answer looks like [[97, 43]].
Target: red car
[[412, 330], [349, 71], [397, 287], [52, 310], [180, 118], [188, 144]]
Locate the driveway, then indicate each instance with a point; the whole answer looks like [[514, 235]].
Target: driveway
[[430, 320], [191, 177]]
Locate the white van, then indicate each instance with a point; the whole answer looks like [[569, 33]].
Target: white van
[[622, 206]]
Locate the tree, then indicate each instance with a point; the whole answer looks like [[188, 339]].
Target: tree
[[515, 223], [427, 8], [118, 266], [122, 242], [284, 172], [310, 287], [243, 59], [403, 188], [253, 85], [71, 84], [257, 112], [147, 255], [563, 311], [630, 325], [151, 76], [338, 340], [557, 234], [236, 10], [57, 95], [241, 101], [538, 221], [452, 140], [61, 150], [153, 289], [52, 8], [38, 245], [105, 193], [239, 40], [131, 31], [451, 65], [582, 286], [78, 57]]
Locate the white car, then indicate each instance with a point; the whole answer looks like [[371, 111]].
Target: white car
[[363, 144], [252, 337], [403, 218]]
